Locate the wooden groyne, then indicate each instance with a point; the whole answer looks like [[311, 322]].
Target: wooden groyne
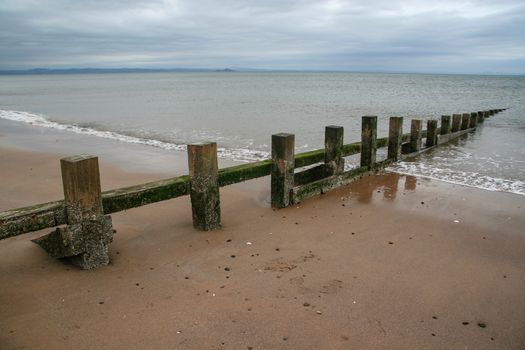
[[294, 177]]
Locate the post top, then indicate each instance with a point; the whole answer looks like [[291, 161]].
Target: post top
[[283, 134], [78, 158], [201, 144], [333, 127]]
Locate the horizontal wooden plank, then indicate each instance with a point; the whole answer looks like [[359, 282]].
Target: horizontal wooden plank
[[244, 172], [34, 218], [300, 193], [309, 175], [135, 196]]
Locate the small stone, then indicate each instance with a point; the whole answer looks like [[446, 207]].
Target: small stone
[[482, 325], [226, 269], [390, 242], [318, 312], [465, 323], [306, 304], [228, 240], [232, 256]]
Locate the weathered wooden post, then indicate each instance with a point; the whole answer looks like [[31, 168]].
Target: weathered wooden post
[[445, 125], [334, 162], [204, 186], [473, 119], [84, 241], [456, 122], [395, 133], [416, 132], [431, 133], [368, 140], [480, 117], [465, 120], [283, 164]]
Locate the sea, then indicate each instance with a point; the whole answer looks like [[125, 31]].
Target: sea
[[240, 111]]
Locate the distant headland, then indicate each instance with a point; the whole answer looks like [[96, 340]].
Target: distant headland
[[114, 70]]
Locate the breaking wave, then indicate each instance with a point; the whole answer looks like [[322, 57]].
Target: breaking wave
[[471, 179], [236, 154]]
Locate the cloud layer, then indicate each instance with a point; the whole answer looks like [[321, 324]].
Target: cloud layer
[[475, 36]]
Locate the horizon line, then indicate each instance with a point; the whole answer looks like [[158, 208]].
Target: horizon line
[[106, 70]]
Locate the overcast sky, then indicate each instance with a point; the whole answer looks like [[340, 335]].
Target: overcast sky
[[456, 36]]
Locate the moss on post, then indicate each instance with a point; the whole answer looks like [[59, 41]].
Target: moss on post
[[465, 120], [473, 120], [84, 241], [204, 186], [416, 133], [456, 122], [333, 144], [283, 164], [368, 140], [431, 133], [445, 125], [395, 133], [479, 118]]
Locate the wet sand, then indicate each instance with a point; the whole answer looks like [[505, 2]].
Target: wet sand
[[389, 262]]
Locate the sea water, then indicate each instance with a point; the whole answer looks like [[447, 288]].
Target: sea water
[[240, 111]]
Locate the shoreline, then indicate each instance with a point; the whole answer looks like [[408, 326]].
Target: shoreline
[[381, 263]]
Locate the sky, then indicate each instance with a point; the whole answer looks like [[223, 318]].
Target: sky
[[431, 36]]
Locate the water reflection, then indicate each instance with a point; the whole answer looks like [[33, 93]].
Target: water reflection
[[384, 186]]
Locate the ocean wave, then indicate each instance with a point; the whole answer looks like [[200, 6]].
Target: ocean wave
[[470, 179], [235, 154]]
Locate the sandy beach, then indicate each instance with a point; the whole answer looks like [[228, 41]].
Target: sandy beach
[[389, 262]]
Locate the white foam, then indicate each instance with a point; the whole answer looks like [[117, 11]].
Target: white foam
[[236, 154], [471, 179]]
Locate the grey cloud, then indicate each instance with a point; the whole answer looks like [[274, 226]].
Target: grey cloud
[[447, 36]]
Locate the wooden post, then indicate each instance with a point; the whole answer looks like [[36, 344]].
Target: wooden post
[[456, 122], [333, 150], [81, 183], [431, 133], [84, 241], [416, 132], [465, 120], [473, 119], [204, 186], [480, 117], [395, 133], [491, 112], [368, 140], [445, 125], [486, 114], [283, 164]]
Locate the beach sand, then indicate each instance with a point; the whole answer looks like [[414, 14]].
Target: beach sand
[[388, 262]]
